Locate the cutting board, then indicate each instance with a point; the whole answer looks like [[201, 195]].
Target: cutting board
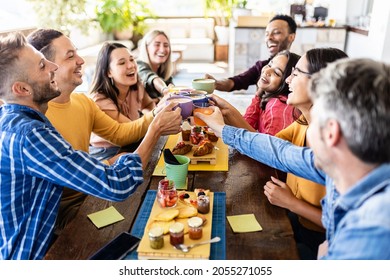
[[210, 158], [168, 251], [222, 156]]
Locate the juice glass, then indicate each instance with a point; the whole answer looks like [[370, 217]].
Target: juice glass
[[203, 108]]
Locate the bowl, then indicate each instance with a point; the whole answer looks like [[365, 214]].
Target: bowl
[[185, 103], [207, 85]]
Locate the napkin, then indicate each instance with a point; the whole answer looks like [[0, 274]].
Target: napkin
[[170, 158], [244, 223], [105, 217]]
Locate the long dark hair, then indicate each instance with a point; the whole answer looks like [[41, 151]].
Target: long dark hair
[[101, 83], [283, 90], [317, 59]]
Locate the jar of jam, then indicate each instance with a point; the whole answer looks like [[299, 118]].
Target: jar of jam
[[176, 233], [203, 204], [195, 230], [156, 238]]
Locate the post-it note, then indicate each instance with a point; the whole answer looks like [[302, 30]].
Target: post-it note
[[244, 223], [105, 217]]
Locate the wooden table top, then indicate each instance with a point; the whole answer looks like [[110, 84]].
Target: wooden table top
[[243, 184]]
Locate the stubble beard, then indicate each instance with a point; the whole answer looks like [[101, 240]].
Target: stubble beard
[[43, 94]]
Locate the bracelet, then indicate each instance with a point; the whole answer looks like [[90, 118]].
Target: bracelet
[[162, 90]]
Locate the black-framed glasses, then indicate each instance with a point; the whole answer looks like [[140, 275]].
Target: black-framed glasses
[[299, 71]]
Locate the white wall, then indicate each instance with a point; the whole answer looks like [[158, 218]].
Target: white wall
[[377, 44]]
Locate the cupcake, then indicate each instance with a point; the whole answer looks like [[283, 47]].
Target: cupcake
[[185, 131]]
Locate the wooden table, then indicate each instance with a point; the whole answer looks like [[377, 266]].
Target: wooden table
[[243, 185]]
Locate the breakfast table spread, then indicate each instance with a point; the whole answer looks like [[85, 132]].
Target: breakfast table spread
[[235, 184]]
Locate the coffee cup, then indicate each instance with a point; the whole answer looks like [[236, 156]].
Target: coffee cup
[[184, 102], [207, 85], [198, 97]]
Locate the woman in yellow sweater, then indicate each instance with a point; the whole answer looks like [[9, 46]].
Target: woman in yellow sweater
[[300, 196]]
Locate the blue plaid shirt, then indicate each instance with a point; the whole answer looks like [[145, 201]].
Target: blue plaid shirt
[[357, 223], [35, 161]]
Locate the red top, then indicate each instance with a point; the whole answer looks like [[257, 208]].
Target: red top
[[276, 116]]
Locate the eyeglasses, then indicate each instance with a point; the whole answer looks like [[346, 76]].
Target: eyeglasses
[[299, 71]]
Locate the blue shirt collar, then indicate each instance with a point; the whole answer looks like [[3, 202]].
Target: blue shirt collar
[[373, 182]]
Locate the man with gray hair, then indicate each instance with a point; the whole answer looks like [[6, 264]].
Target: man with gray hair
[[349, 139]]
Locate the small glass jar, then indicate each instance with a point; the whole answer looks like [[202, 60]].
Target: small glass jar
[[176, 233], [195, 229], [156, 238], [167, 193], [203, 204]]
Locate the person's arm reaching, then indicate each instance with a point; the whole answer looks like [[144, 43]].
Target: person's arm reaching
[[230, 114], [223, 84], [264, 148], [167, 121]]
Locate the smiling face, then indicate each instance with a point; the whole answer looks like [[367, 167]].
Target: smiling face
[[272, 73], [41, 73], [122, 68], [158, 50], [298, 83], [69, 74], [277, 36]]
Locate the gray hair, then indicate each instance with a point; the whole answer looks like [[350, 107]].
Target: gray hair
[[166, 69], [10, 69], [356, 92]]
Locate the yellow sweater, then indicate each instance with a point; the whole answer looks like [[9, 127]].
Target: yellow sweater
[[303, 189], [77, 119]]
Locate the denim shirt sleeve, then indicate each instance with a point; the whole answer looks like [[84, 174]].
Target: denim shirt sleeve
[[274, 152]]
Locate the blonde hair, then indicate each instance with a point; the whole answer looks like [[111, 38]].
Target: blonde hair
[[166, 69]]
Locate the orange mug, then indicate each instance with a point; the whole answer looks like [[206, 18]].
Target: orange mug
[[203, 108]]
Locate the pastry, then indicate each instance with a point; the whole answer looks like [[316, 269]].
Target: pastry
[[205, 147], [185, 131], [181, 148], [164, 225], [167, 215], [187, 212], [209, 134]]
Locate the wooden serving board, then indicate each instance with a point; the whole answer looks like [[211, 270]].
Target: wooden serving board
[[168, 251], [210, 158]]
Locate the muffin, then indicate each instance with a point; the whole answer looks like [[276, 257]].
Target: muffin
[[185, 131]]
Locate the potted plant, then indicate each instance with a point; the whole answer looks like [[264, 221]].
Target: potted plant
[[123, 17], [221, 10], [241, 9], [62, 15]]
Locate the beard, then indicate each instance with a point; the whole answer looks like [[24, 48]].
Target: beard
[[44, 93]]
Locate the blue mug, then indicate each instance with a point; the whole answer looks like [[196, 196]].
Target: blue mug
[[198, 97]]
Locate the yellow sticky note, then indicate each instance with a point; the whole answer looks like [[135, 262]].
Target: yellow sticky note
[[244, 223], [105, 217]]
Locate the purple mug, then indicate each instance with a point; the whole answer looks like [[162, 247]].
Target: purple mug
[[185, 103]]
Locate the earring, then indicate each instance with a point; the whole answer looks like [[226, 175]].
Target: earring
[[112, 81]]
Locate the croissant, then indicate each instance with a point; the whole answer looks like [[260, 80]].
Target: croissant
[[204, 148], [181, 148]]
